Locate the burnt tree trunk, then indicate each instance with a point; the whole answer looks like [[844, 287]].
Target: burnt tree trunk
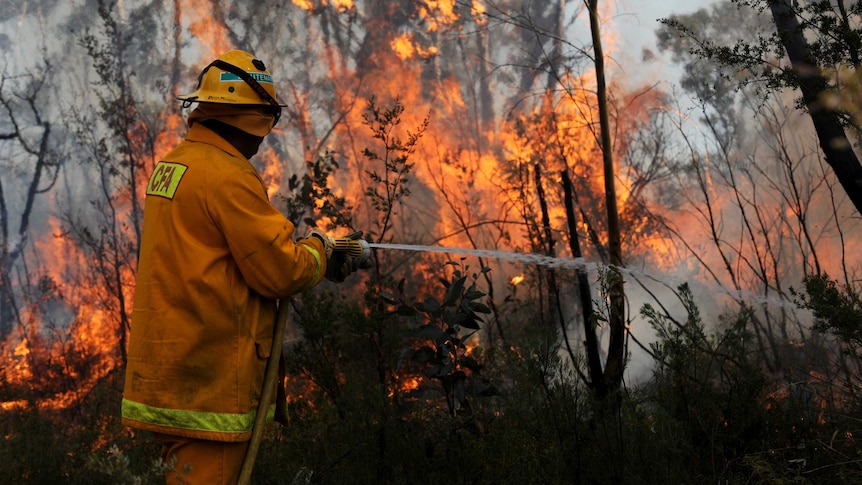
[[615, 364], [591, 340], [549, 251], [836, 147]]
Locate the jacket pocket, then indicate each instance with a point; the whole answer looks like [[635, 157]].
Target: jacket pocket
[[263, 348]]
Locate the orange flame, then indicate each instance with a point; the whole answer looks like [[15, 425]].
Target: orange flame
[[273, 171], [438, 13], [214, 36], [343, 5], [462, 165], [479, 12], [405, 48]]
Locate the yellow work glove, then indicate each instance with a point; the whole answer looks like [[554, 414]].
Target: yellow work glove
[[343, 263], [339, 265], [326, 239]]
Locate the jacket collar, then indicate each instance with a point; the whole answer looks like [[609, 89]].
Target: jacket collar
[[200, 133]]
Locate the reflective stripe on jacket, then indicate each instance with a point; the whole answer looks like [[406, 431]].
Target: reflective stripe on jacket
[[215, 256]]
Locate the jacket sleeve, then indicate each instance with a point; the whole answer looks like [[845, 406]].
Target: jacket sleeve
[[260, 238]]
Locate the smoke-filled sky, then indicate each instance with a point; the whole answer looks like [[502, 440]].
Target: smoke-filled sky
[[628, 25], [635, 21]]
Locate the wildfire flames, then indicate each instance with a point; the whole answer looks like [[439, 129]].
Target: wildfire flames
[[462, 177]]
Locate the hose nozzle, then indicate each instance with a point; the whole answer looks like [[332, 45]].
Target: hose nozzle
[[354, 246]]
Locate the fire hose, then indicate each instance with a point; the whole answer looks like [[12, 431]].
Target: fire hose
[[352, 246]]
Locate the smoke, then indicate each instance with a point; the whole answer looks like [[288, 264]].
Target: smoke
[[502, 102]]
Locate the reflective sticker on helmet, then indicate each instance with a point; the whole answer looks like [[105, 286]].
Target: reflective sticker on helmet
[[165, 179], [260, 77]]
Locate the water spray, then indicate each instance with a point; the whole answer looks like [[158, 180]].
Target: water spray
[[358, 248], [566, 263], [361, 250], [528, 258]]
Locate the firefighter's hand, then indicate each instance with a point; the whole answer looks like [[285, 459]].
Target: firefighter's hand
[[326, 239], [339, 266]]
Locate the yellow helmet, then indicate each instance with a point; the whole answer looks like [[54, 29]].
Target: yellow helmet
[[237, 77]]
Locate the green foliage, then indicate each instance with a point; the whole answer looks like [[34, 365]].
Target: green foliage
[[715, 410], [837, 310], [763, 471], [116, 465], [707, 387], [122, 154], [311, 196], [709, 415], [678, 341], [369, 433], [383, 389], [31, 451], [751, 58], [740, 61], [391, 184], [442, 346], [80, 444]]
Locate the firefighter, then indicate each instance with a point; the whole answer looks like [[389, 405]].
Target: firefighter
[[215, 257]]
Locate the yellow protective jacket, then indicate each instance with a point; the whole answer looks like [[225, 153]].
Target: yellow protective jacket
[[215, 256]]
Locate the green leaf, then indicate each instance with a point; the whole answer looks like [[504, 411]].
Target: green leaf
[[480, 307], [460, 386], [431, 305], [388, 298], [454, 291], [470, 363], [440, 370], [424, 355], [432, 332], [472, 323], [406, 310], [454, 318]]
